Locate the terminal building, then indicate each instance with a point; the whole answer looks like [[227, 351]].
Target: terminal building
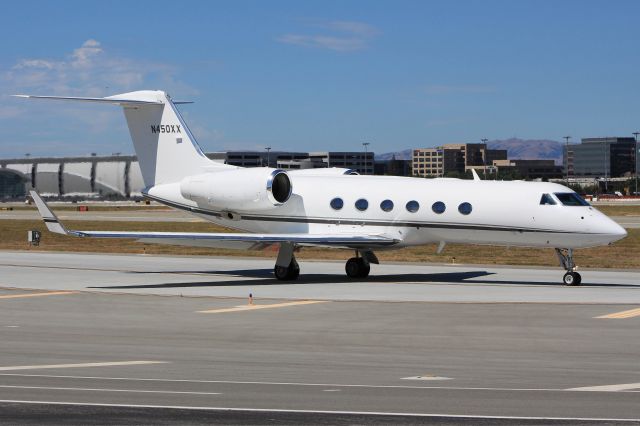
[[119, 176], [609, 157]]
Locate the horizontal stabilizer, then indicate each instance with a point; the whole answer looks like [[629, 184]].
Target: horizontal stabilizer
[[116, 100], [167, 150]]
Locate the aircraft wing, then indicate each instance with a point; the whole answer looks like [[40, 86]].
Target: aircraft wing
[[221, 240]]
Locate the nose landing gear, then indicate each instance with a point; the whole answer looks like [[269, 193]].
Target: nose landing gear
[[565, 256]]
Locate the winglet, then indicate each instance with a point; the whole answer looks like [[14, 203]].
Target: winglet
[[50, 219], [475, 174]]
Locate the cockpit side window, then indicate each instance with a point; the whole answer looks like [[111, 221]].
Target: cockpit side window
[[571, 199], [547, 200]]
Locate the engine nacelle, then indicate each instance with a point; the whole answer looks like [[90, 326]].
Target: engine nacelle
[[332, 171], [239, 189]]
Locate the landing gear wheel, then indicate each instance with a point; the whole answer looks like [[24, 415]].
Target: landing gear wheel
[[572, 278], [356, 267], [287, 273], [565, 256]]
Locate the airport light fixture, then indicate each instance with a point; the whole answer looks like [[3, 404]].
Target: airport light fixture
[[365, 144], [566, 167], [268, 149], [635, 159], [484, 156]]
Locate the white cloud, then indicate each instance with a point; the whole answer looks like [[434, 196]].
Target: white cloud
[[339, 36], [84, 55], [89, 70]]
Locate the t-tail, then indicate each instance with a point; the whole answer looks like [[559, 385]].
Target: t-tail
[[167, 150]]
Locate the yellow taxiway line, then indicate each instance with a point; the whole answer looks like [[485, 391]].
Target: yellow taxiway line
[[48, 293], [624, 314], [244, 308]]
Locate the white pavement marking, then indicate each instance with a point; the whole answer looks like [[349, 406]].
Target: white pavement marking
[[427, 377], [608, 388], [86, 364], [281, 410], [246, 308], [107, 390], [327, 385]]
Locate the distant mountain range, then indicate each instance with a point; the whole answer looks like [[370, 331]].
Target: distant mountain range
[[400, 155], [530, 149], [521, 149]]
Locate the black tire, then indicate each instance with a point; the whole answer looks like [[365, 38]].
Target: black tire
[[294, 270], [352, 268], [572, 279], [288, 273], [364, 269], [577, 279], [281, 272], [356, 267]]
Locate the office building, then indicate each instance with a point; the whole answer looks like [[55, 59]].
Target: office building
[[608, 157], [436, 162]]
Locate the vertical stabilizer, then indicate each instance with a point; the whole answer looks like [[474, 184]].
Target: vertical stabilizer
[[167, 151], [166, 148]]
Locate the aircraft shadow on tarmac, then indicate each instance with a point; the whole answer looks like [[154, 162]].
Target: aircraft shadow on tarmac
[[265, 277]]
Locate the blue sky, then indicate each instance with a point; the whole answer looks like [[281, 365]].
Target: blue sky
[[318, 75]]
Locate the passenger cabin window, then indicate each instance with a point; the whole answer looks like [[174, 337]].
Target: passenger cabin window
[[438, 207], [547, 200], [362, 204], [386, 205], [412, 206], [337, 203], [571, 199], [465, 208]]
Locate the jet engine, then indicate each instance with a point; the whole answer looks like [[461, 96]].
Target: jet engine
[[239, 189], [333, 171]]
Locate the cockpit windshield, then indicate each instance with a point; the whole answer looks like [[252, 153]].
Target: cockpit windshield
[[571, 199], [547, 200]]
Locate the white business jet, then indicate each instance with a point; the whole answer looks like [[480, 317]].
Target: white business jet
[[336, 207]]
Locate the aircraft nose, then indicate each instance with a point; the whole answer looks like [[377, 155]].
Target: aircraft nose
[[616, 231]]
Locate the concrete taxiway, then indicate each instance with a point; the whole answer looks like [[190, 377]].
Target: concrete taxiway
[[237, 277], [486, 344]]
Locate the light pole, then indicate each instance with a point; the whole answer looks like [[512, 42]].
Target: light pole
[[268, 149], [484, 157], [365, 144], [635, 159], [606, 166], [566, 167]]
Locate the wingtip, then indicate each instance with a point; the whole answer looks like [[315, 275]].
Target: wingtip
[[50, 219]]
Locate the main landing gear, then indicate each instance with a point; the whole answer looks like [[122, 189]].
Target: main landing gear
[[287, 273], [357, 267], [287, 268], [565, 256]]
